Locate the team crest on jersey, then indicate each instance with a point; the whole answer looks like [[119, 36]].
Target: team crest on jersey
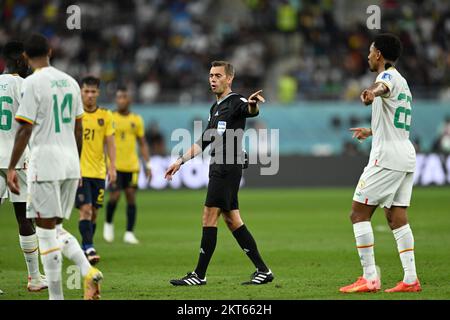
[[133, 125], [101, 122], [361, 184], [386, 76]]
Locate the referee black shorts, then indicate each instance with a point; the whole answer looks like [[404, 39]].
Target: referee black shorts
[[223, 186]]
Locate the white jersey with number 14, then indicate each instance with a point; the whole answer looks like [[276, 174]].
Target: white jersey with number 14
[[51, 101]]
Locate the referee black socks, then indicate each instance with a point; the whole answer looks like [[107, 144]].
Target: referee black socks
[[207, 247], [248, 244]]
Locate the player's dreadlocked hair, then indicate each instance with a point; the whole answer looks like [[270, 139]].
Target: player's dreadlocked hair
[[389, 45]]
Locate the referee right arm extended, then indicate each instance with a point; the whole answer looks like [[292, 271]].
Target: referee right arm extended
[[193, 151]]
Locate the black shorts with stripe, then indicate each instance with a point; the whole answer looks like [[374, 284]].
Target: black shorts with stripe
[[223, 186], [124, 181], [92, 191]]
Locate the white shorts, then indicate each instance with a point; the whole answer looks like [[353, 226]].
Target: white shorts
[[383, 187], [5, 193], [51, 199]]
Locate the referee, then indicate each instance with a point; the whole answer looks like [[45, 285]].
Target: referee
[[227, 115]]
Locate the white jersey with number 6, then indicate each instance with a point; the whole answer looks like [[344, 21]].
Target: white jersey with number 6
[[9, 103], [391, 121], [51, 101]]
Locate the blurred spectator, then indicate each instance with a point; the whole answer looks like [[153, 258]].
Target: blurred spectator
[[351, 148], [442, 143], [155, 140], [162, 48]]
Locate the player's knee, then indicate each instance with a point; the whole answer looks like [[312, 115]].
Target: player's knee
[[210, 218], [26, 227], [232, 221], [94, 216], [356, 217], [114, 197], [86, 212]]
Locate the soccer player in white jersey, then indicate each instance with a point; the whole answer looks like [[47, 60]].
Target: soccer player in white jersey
[[50, 114], [387, 180], [10, 85]]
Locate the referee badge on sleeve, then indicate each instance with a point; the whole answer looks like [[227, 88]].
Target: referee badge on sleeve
[[221, 127]]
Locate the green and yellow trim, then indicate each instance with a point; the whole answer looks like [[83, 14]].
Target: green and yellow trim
[[43, 253], [24, 119]]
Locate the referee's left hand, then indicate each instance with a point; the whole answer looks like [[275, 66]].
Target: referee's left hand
[[172, 170]]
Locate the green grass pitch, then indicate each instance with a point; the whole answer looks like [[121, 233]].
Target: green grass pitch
[[304, 235]]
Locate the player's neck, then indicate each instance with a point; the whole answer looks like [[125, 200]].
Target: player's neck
[[385, 66], [39, 63], [124, 112], [223, 94], [90, 109]]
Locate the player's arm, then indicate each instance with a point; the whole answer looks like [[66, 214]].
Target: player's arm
[[111, 152], [79, 134], [253, 107], [361, 133], [145, 154], [375, 90], [20, 143], [192, 152]]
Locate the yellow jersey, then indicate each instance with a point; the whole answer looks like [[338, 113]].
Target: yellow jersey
[[129, 128], [97, 126]]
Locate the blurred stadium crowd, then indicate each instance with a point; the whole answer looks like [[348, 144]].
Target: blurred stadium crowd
[[293, 49]]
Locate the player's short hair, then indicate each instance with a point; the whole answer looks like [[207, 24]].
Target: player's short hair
[[229, 69], [90, 81], [122, 88], [12, 50], [36, 45], [389, 45]]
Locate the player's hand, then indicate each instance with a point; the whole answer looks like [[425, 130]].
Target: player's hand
[[148, 174], [112, 174], [80, 183], [361, 133], [13, 181], [148, 171], [172, 170], [255, 98], [367, 97]]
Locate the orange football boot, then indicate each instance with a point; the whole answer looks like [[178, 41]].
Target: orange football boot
[[362, 285], [404, 287]]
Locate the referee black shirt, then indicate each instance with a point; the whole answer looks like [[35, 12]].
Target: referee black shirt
[[227, 118]]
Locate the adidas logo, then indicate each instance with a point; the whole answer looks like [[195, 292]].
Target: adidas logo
[[202, 251], [246, 250], [217, 113]]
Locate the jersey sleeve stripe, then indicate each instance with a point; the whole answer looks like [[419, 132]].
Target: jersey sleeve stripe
[[388, 85], [24, 119]]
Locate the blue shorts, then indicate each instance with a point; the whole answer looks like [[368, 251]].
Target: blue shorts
[[91, 192]]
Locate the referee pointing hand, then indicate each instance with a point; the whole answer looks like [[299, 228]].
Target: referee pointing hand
[[227, 115]]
